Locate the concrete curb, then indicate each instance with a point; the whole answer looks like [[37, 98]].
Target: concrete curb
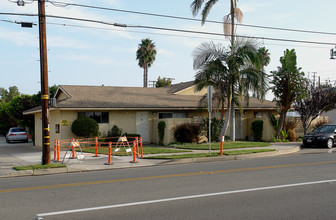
[[72, 169], [236, 157]]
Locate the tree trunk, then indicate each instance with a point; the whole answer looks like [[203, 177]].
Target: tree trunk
[[226, 122], [232, 114], [233, 118], [145, 75], [281, 122]]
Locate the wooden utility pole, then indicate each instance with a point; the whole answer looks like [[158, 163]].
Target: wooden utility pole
[[44, 83]]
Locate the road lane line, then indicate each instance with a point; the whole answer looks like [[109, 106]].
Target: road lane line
[[162, 176], [182, 198]]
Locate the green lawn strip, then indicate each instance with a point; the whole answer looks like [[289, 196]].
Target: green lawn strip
[[226, 145], [38, 166], [146, 150], [214, 154]]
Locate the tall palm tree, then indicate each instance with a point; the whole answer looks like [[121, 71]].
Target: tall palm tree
[[229, 29], [265, 60], [146, 55], [213, 64]]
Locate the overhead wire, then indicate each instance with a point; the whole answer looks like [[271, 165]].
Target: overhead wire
[[171, 29], [64, 4]]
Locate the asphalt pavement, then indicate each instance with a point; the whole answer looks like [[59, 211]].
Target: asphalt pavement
[[21, 154]]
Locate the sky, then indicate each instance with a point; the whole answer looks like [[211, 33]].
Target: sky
[[84, 53]]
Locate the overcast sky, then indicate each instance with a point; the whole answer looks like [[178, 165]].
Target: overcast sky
[[83, 53]]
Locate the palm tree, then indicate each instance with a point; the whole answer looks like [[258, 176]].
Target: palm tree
[[146, 55], [265, 60], [235, 13], [215, 64]]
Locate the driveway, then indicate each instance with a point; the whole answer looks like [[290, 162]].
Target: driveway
[[17, 154]]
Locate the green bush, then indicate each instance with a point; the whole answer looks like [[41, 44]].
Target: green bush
[[187, 133], [114, 132], [85, 127], [216, 126], [257, 129], [161, 131]]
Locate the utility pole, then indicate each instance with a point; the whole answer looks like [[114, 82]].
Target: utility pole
[[314, 76], [44, 77], [44, 83]]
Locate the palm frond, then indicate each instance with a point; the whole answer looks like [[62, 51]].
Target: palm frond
[[238, 15], [196, 6], [207, 8], [227, 26]]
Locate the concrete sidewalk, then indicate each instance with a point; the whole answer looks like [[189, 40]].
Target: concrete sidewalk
[[90, 163]]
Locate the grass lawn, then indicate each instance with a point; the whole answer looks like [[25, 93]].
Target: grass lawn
[[38, 166], [226, 145], [214, 154], [122, 152]]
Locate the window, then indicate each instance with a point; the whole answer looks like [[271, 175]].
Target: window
[[99, 117], [163, 115]]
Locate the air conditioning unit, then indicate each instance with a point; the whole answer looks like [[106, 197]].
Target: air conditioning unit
[[52, 102]]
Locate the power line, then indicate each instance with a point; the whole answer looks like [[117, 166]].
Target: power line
[[172, 29], [64, 4]]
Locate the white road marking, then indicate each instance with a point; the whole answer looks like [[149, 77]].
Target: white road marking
[[181, 198]]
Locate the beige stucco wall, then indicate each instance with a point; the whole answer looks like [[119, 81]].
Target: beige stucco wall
[[124, 120], [38, 129], [127, 121]]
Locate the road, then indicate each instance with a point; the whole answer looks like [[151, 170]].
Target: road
[[300, 186]]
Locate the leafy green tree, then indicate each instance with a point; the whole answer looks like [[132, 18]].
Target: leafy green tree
[[146, 56], [6, 120], [289, 85], [17, 106], [8, 95], [163, 82], [230, 73]]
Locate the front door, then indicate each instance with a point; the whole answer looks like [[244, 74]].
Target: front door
[[142, 125]]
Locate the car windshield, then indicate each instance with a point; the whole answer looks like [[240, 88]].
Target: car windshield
[[17, 130], [325, 129]]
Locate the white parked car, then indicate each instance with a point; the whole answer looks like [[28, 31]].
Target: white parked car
[[17, 134]]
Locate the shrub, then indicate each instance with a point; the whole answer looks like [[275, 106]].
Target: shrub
[[187, 133], [114, 132], [257, 129], [290, 126], [161, 131], [216, 126], [85, 127]]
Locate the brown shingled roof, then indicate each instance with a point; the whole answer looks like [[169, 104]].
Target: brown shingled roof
[[110, 97], [124, 97]]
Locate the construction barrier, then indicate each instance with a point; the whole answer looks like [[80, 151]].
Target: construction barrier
[[130, 146], [58, 150], [55, 149], [96, 147], [141, 149], [221, 145], [134, 152]]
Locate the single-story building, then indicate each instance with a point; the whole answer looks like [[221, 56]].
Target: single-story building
[[138, 110]]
